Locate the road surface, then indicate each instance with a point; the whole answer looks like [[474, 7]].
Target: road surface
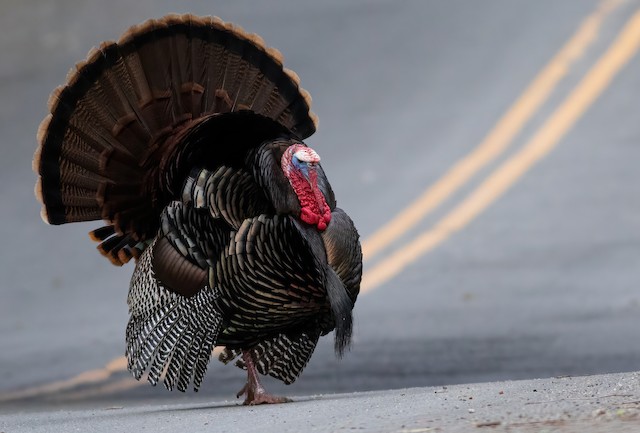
[[593, 404], [487, 152]]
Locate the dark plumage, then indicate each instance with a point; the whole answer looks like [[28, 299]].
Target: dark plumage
[[185, 138]]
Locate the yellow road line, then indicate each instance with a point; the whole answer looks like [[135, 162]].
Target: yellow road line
[[97, 376], [545, 139], [85, 378], [499, 139]]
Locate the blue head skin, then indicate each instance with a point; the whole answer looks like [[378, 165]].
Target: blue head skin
[[302, 166]]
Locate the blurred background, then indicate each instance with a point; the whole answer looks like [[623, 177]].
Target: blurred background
[[539, 279]]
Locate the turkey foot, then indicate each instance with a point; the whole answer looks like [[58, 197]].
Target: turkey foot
[[256, 394]]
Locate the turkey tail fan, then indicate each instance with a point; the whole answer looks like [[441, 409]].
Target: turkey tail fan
[[121, 116]]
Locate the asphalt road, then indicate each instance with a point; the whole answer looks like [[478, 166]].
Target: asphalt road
[[594, 404], [527, 265]]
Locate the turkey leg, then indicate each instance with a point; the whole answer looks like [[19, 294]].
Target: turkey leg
[[256, 394]]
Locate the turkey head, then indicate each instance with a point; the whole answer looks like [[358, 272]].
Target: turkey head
[[300, 166]]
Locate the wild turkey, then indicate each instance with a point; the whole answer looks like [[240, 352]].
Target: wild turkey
[[185, 138]]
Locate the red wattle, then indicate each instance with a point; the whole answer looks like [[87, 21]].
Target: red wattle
[[314, 209], [309, 217]]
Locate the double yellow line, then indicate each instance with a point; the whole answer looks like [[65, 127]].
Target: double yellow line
[[494, 145], [499, 139]]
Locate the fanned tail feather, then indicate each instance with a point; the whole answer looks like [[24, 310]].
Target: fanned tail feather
[[119, 249], [117, 125]]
